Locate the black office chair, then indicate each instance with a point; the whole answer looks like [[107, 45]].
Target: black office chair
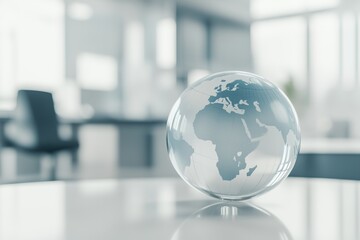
[[35, 127]]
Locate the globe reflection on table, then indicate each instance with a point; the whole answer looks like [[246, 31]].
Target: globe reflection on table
[[232, 221]]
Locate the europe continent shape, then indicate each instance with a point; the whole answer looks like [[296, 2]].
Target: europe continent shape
[[233, 135]]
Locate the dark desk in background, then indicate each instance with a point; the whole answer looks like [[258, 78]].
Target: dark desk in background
[[328, 165], [136, 138], [329, 158], [135, 135]]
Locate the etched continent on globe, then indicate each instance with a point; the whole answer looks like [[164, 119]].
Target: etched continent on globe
[[245, 113], [233, 135]]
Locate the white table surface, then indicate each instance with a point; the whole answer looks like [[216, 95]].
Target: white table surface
[[169, 209]]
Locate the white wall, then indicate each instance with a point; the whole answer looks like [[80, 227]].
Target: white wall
[[213, 36]]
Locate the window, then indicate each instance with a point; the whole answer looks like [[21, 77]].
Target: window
[[31, 45], [97, 72], [267, 8], [324, 57], [348, 56], [166, 43], [279, 57]]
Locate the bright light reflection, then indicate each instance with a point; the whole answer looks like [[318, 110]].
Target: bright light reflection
[[322, 206], [279, 111], [32, 212], [80, 11], [324, 30], [166, 43], [281, 57], [31, 37], [97, 72], [166, 201], [348, 53], [98, 187], [134, 203], [268, 8], [134, 47], [195, 75]]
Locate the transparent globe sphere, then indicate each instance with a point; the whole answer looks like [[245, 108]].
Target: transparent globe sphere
[[233, 135]]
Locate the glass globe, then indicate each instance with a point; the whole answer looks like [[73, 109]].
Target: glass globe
[[233, 135]]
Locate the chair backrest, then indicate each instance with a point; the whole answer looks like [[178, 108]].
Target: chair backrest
[[35, 113]]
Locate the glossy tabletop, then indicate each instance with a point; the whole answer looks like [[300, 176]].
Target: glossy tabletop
[[169, 209]]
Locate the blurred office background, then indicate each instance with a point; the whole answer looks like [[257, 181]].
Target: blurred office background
[[115, 67]]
